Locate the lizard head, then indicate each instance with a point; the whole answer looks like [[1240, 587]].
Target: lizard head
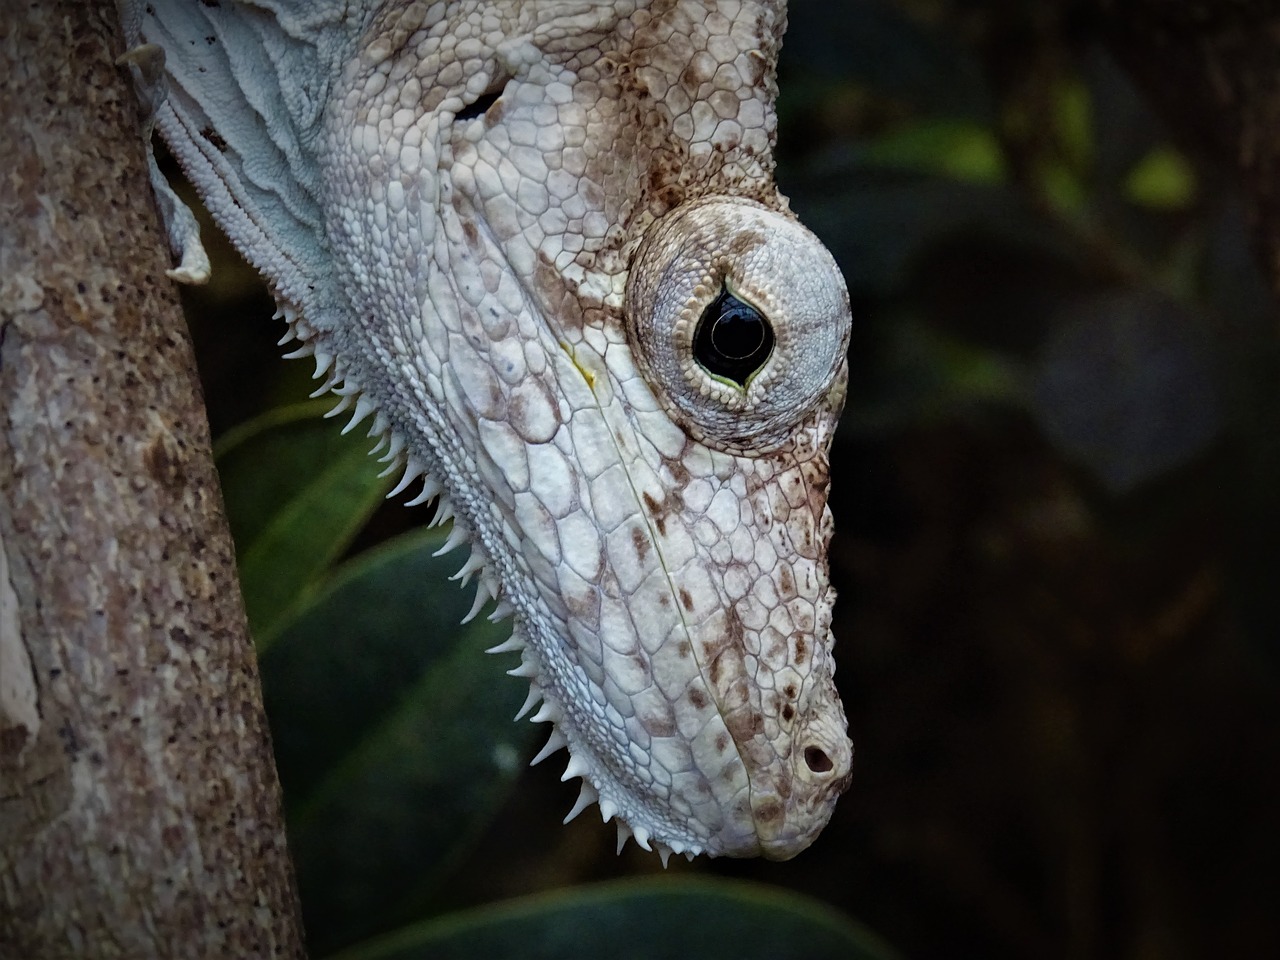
[[588, 315], [542, 243]]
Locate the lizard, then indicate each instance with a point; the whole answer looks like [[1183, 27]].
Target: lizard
[[539, 242]]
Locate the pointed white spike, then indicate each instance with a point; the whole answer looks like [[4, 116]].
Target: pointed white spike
[[642, 838], [547, 713], [323, 362], [624, 834], [585, 799], [512, 644], [530, 702], [554, 743], [412, 471], [396, 448], [482, 597], [664, 853], [430, 490], [306, 350], [465, 572], [690, 854], [343, 403], [577, 767], [608, 809], [527, 669], [457, 537], [349, 388], [325, 387], [501, 611], [378, 427], [390, 468], [444, 512], [364, 407], [382, 442]]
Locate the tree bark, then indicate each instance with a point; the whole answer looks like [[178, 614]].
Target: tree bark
[[139, 805]]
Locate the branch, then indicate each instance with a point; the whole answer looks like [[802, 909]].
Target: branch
[[139, 806]]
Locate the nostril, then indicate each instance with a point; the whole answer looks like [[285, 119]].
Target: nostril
[[817, 760]]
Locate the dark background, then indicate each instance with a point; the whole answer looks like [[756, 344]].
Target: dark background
[[1055, 490]]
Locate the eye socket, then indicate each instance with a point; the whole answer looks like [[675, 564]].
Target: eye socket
[[733, 339], [738, 319]]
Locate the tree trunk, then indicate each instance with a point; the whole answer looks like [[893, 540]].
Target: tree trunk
[[139, 805]]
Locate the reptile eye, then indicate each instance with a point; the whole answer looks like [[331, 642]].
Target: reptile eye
[[738, 319], [732, 340]]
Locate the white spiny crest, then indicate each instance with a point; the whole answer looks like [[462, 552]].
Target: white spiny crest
[[664, 853], [483, 596], [512, 644], [364, 407], [431, 488], [503, 610], [576, 767], [457, 537], [534, 697], [306, 350], [412, 471], [586, 797], [444, 511], [473, 563], [554, 742]]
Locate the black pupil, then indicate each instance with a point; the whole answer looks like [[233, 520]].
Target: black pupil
[[732, 340]]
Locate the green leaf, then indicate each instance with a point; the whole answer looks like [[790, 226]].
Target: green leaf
[[393, 735], [958, 149], [638, 920], [1162, 180], [297, 492]]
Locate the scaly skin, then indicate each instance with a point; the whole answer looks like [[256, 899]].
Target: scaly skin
[[516, 295]]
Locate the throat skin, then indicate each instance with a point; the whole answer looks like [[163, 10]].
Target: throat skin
[[495, 226]]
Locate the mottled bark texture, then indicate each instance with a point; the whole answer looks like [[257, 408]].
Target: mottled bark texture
[[139, 806], [1212, 68]]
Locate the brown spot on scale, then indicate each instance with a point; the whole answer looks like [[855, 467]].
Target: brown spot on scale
[[640, 542], [786, 582], [686, 599], [722, 742], [788, 712], [744, 242], [769, 811], [660, 726], [744, 727], [656, 511], [686, 648], [697, 698], [802, 651], [471, 234]]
